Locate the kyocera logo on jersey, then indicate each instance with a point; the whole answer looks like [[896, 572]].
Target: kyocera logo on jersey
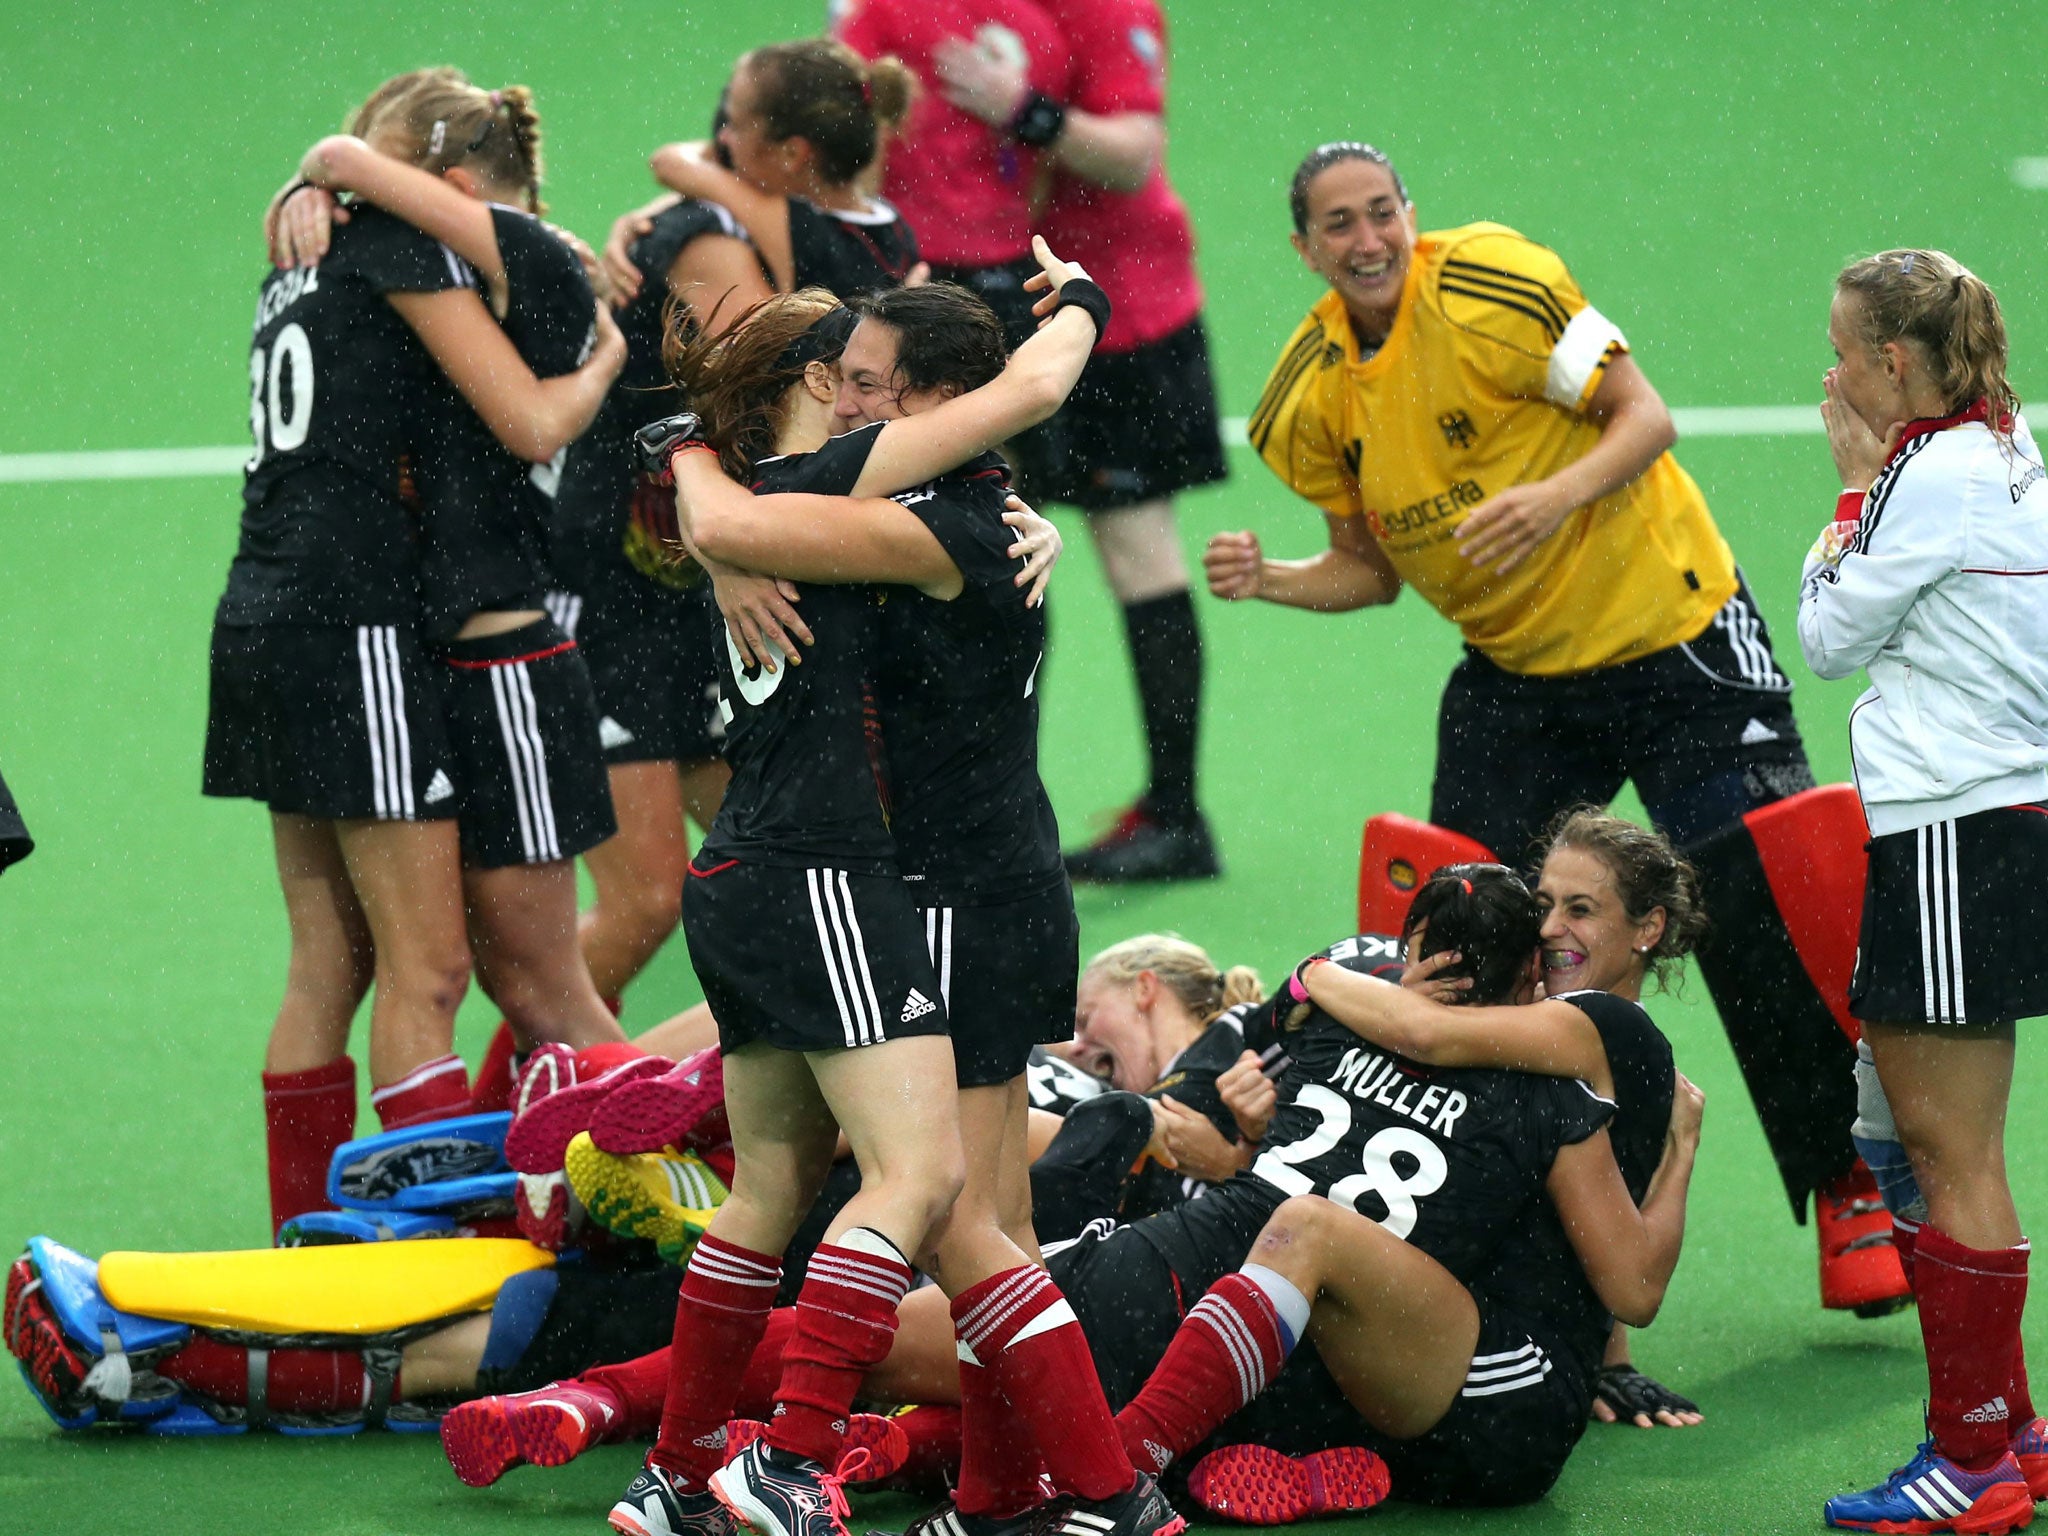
[[1417, 515]]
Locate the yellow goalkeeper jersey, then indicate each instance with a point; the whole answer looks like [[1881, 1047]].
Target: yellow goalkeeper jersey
[[1480, 386]]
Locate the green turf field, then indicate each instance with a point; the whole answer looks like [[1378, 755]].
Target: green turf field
[[1704, 170]]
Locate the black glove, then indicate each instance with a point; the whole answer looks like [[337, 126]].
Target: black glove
[[1629, 1392], [657, 442]]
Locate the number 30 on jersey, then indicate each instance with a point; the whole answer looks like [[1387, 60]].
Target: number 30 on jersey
[[280, 394]]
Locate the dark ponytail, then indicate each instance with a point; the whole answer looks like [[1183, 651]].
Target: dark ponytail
[[1487, 914]]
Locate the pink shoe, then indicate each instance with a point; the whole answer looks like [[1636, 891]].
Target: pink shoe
[[543, 1129], [549, 1427], [1256, 1486], [657, 1112]]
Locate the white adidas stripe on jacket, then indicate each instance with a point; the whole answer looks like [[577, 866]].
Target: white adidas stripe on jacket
[[1942, 595]]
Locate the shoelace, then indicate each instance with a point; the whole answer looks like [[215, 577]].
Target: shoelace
[[17, 1320], [834, 1482]]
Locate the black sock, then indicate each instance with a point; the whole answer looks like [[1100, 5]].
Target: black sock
[[1166, 655]]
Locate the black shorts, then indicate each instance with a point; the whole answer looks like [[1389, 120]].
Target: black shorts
[[1007, 974], [1504, 1439], [337, 722], [1127, 1299], [524, 725], [598, 1315], [1955, 922], [1001, 288], [1704, 729], [1139, 426], [656, 679], [808, 959]]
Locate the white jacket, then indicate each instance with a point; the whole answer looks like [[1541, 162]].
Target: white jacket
[[1942, 594]]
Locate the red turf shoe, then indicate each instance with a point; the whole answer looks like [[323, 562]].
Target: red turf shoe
[[660, 1111], [549, 1121], [1860, 1270], [549, 1427], [1256, 1486], [2030, 1450], [882, 1440]]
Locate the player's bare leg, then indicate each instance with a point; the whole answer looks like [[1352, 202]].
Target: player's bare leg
[[333, 956], [522, 921], [638, 872], [408, 877]]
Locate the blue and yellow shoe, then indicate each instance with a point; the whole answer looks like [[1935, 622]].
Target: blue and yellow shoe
[[1931, 1493], [667, 1198]]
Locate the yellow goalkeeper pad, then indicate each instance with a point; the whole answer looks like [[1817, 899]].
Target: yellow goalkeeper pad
[[352, 1288]]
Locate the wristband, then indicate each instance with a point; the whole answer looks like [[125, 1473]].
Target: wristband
[[1086, 293], [1039, 121], [1297, 989], [1849, 506]]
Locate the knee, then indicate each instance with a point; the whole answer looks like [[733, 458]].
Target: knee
[[1300, 1222], [938, 1182], [437, 978]]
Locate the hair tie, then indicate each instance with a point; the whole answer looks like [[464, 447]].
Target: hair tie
[[438, 137], [497, 100], [1906, 266], [1465, 883]]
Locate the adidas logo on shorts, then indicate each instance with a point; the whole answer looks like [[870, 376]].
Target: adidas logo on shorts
[[1993, 1412], [438, 787], [916, 1006], [612, 734]]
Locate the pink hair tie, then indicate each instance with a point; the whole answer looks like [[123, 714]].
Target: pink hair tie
[[497, 100], [1465, 883]]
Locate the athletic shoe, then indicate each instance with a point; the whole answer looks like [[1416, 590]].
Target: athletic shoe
[[653, 1505], [667, 1198], [477, 1439], [1931, 1493], [51, 1364], [2030, 1450], [542, 1131], [774, 1497], [880, 1440], [1860, 1270], [1140, 847], [657, 1112], [947, 1520], [1140, 1510], [1256, 1486], [548, 1427], [547, 1212]]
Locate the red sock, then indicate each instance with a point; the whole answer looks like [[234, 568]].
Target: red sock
[[637, 1387], [306, 1115], [721, 1311], [1228, 1347], [1000, 1469], [1970, 1306], [845, 1319], [596, 1060], [764, 1371], [2019, 1397], [934, 1460], [1020, 1327], [1905, 1234], [296, 1380], [493, 1088], [437, 1090]]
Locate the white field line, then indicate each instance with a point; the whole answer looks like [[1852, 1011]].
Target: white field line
[[186, 463]]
